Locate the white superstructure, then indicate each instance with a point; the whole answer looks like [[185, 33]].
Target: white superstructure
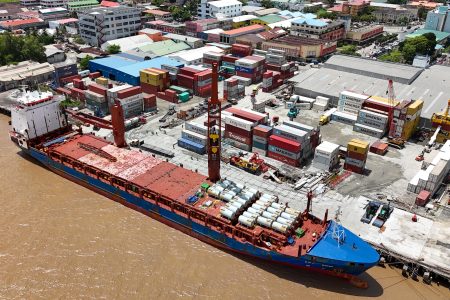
[[37, 114], [226, 8]]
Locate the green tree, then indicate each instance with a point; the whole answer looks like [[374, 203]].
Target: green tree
[[422, 13], [403, 21], [349, 50], [267, 3], [409, 52], [323, 14], [397, 1], [244, 2], [394, 56], [157, 2], [113, 49], [84, 62], [78, 39]]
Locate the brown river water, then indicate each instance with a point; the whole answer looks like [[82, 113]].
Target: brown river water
[[59, 240]]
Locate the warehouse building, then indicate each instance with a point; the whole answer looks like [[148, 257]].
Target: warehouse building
[[101, 24], [162, 48], [193, 42], [128, 43], [24, 73], [430, 85], [229, 36], [127, 70], [193, 56]]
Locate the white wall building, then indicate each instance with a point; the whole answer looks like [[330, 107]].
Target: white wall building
[[227, 8], [128, 43], [53, 3], [102, 24], [194, 56]]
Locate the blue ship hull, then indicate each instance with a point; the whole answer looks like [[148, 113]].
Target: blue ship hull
[[325, 256]]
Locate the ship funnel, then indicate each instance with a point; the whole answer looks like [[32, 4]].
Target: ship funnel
[[118, 124]]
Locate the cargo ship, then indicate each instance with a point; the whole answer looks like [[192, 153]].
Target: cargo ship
[[222, 213]]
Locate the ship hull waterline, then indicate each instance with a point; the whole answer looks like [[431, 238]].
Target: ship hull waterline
[[160, 214]]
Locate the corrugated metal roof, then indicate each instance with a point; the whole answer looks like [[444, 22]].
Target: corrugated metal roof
[[133, 69], [243, 30], [128, 43], [269, 19], [113, 62], [163, 48]]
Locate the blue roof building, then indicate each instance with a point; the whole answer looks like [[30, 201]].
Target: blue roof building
[[126, 70]]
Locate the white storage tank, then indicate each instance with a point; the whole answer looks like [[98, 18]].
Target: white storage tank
[[262, 203], [288, 216], [232, 208], [292, 211], [274, 210], [284, 221], [269, 215], [249, 214], [278, 206], [254, 210], [227, 197], [264, 221], [279, 227], [236, 204], [227, 213], [257, 206], [249, 222]]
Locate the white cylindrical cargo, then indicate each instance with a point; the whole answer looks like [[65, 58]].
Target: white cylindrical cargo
[[245, 196], [240, 186], [252, 190], [262, 203], [274, 210], [292, 211], [254, 210], [249, 214], [249, 222], [257, 206], [232, 208], [227, 197], [214, 192], [278, 205], [279, 227], [236, 204], [287, 216], [227, 213], [269, 215], [236, 190], [240, 200], [264, 221], [266, 200], [284, 221], [270, 197]]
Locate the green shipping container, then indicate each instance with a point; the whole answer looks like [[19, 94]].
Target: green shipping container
[[184, 97], [178, 89]]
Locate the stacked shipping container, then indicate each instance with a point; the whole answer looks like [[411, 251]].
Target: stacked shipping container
[[96, 99], [276, 61], [326, 156], [194, 137], [357, 151], [250, 67], [232, 89], [406, 118], [210, 57], [271, 81], [261, 134], [370, 122], [240, 50], [154, 80]]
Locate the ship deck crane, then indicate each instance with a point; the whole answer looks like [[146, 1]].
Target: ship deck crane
[[394, 141], [214, 127]]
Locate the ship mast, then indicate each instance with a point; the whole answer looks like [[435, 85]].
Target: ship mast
[[214, 128], [338, 232]]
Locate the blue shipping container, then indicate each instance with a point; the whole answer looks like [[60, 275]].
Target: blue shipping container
[[191, 146], [259, 145], [244, 70]]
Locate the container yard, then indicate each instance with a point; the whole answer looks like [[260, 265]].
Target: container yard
[[280, 152]]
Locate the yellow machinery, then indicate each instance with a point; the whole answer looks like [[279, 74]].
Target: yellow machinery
[[251, 167], [442, 120]]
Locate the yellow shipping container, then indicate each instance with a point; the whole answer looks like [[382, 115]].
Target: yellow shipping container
[[162, 73], [358, 146], [408, 130], [383, 100], [102, 81], [414, 107]]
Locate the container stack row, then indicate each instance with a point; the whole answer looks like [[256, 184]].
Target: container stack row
[[212, 57], [371, 122], [250, 67], [271, 81], [239, 124], [261, 134], [405, 121], [240, 50], [357, 152], [96, 99], [232, 89], [326, 156], [432, 175], [154, 80], [276, 60], [194, 137]]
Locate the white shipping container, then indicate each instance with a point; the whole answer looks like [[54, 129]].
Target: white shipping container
[[290, 133], [195, 137], [197, 128], [368, 130], [240, 123]]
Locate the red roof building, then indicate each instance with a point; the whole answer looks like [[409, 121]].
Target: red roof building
[[22, 24], [109, 4]]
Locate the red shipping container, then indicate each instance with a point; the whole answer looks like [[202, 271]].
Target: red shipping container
[[246, 115], [150, 89], [188, 71], [285, 144], [239, 131], [422, 198], [354, 169], [95, 75], [286, 160], [262, 132], [384, 107], [232, 82], [185, 81], [204, 91], [99, 89], [69, 78], [268, 74], [357, 156], [204, 75], [237, 137], [149, 101], [229, 58], [171, 93], [129, 92], [63, 91]]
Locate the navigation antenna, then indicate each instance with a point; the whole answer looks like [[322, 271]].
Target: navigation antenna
[[337, 230]]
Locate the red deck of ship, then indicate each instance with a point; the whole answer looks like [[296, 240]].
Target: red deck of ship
[[171, 182]]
